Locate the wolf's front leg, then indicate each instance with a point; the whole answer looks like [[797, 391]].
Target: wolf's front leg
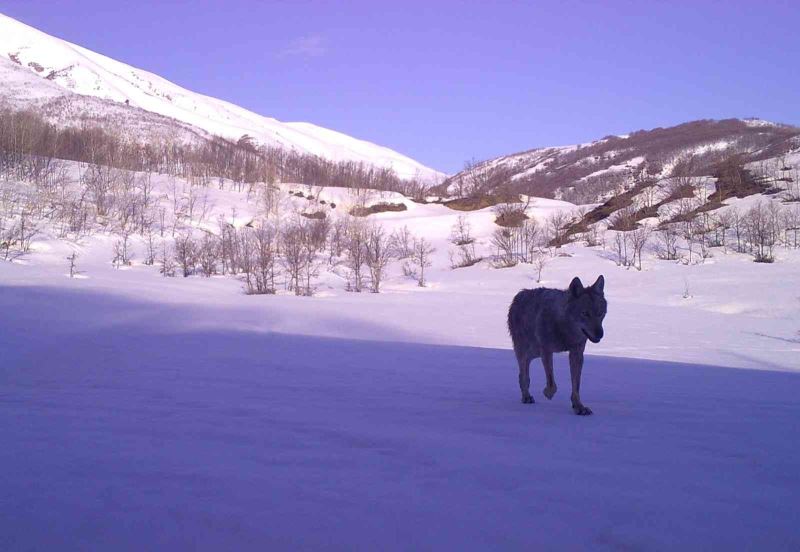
[[575, 368]]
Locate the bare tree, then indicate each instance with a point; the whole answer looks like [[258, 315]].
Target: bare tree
[[738, 226], [530, 240], [763, 229], [504, 242], [294, 255], [208, 255], [378, 255], [461, 236], [337, 240], [639, 239], [475, 180], [186, 254], [421, 258], [166, 261], [315, 236], [791, 223], [557, 227], [402, 243], [73, 265], [150, 242], [667, 242], [264, 271], [540, 260], [123, 254], [722, 223], [622, 244], [355, 250], [510, 213], [26, 231], [461, 232]]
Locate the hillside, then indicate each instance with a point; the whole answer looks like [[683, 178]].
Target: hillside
[[594, 172], [69, 74]]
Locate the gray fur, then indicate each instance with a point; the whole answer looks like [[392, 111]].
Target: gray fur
[[544, 321]]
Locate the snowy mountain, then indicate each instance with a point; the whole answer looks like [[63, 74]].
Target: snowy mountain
[[68, 73], [592, 172]]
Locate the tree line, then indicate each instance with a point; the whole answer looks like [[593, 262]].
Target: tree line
[[30, 148]]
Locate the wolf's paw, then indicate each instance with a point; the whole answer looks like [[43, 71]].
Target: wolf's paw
[[549, 392], [528, 400], [581, 410]]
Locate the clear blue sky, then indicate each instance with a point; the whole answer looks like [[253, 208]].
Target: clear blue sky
[[448, 81]]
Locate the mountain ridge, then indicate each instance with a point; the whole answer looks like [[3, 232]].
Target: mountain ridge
[[587, 173], [75, 69]]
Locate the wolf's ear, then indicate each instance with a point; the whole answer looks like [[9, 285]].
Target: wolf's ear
[[575, 287], [599, 284]]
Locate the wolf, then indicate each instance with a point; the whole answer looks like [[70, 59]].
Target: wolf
[[544, 321]]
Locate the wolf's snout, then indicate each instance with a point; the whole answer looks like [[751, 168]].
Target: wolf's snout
[[594, 336]]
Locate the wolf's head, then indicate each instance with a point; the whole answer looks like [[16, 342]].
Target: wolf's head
[[586, 308]]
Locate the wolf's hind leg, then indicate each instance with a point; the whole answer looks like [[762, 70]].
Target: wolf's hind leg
[[524, 362], [550, 388]]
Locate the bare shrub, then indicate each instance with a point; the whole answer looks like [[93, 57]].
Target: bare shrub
[[738, 224], [402, 243], [510, 214], [378, 255], [791, 226], [540, 260], [461, 232], [762, 224], [73, 264], [208, 255], [517, 244], [259, 252], [421, 258], [629, 246], [294, 258], [150, 247], [624, 219], [557, 224], [475, 180], [186, 254], [464, 256], [166, 261], [667, 248], [123, 254], [355, 251], [639, 239], [593, 236], [504, 241], [621, 248], [315, 236]]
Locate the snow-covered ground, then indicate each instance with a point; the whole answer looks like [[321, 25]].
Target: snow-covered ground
[[143, 412], [726, 311], [128, 425]]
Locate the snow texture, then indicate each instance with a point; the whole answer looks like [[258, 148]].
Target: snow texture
[[125, 429]]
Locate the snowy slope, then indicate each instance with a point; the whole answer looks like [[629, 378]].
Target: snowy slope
[[594, 171], [81, 71], [723, 322], [125, 427]]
